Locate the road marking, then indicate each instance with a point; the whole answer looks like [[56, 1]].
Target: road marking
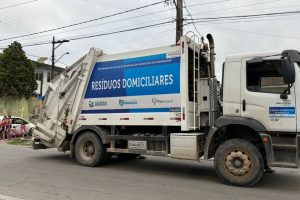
[[3, 197]]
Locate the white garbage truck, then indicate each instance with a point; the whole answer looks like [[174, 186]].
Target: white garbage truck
[[166, 101]]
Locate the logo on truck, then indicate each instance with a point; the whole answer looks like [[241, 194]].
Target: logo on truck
[[158, 101], [97, 103], [127, 102]]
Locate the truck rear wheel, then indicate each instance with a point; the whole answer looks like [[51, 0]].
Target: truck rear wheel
[[238, 162], [89, 150]]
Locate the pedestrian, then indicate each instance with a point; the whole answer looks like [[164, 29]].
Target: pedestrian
[[23, 130], [1, 131], [4, 124], [9, 122]]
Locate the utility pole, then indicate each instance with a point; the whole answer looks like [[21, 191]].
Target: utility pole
[[42, 82], [59, 42], [53, 49], [179, 19]]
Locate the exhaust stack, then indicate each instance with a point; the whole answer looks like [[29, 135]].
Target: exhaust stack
[[212, 54]]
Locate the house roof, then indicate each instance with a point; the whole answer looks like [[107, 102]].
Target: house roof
[[43, 65]]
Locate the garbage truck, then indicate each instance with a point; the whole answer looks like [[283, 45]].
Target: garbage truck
[[166, 101]]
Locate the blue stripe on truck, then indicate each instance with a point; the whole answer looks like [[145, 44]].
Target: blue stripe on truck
[[135, 110]]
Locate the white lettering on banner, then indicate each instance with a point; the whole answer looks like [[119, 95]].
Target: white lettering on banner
[[138, 64], [148, 81]]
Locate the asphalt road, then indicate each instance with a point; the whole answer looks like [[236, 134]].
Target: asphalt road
[[48, 174]]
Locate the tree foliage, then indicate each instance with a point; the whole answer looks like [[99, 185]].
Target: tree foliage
[[16, 72]]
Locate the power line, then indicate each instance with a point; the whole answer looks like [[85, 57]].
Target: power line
[[122, 31], [234, 7], [114, 44], [19, 4], [36, 44], [109, 22], [105, 4], [106, 30], [208, 3], [14, 23], [123, 27], [83, 22], [246, 16], [246, 20], [191, 19], [256, 9], [256, 33], [119, 20], [104, 34], [199, 20]]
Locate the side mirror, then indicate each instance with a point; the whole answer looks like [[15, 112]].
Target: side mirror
[[284, 96], [288, 71]]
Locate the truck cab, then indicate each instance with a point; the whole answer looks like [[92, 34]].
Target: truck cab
[[262, 89], [260, 102]]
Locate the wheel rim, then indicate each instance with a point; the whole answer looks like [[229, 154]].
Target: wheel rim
[[88, 149], [238, 163]]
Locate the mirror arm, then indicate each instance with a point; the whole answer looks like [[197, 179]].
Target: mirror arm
[[288, 89]]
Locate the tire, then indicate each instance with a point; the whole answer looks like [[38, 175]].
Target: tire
[[239, 163], [89, 150]]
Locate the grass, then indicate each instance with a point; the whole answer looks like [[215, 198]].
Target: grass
[[19, 141]]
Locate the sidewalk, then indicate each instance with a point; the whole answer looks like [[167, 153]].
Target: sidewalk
[[3, 141], [17, 141]]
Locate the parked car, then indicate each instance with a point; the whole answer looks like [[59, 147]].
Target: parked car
[[16, 125]]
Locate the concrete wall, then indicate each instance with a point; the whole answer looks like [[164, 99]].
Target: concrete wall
[[17, 106]]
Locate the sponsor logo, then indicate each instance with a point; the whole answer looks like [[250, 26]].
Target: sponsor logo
[[127, 102], [157, 101], [91, 104], [97, 103]]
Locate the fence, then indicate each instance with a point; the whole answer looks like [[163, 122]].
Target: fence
[[18, 106]]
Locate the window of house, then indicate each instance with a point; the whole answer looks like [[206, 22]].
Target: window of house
[[266, 77], [48, 77], [38, 76]]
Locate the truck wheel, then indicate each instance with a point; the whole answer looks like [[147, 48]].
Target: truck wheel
[[238, 162], [89, 150]]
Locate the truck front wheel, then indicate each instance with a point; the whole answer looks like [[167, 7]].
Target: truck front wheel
[[89, 150], [238, 162]]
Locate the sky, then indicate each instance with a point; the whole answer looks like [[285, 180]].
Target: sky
[[232, 36]]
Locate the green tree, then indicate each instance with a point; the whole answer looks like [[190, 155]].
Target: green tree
[[16, 72]]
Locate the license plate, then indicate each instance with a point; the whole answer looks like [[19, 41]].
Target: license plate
[[137, 144]]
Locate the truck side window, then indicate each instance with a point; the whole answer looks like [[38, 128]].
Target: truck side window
[[265, 77]]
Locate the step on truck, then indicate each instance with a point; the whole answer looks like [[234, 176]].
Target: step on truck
[[166, 101]]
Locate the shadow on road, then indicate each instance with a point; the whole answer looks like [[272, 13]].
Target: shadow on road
[[63, 158], [150, 165], [287, 180], [283, 179], [168, 167]]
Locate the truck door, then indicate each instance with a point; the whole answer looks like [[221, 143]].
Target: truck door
[[261, 86]]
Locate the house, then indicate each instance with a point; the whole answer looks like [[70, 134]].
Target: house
[[43, 76]]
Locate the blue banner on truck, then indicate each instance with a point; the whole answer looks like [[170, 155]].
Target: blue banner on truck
[[282, 112], [134, 84], [155, 74]]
